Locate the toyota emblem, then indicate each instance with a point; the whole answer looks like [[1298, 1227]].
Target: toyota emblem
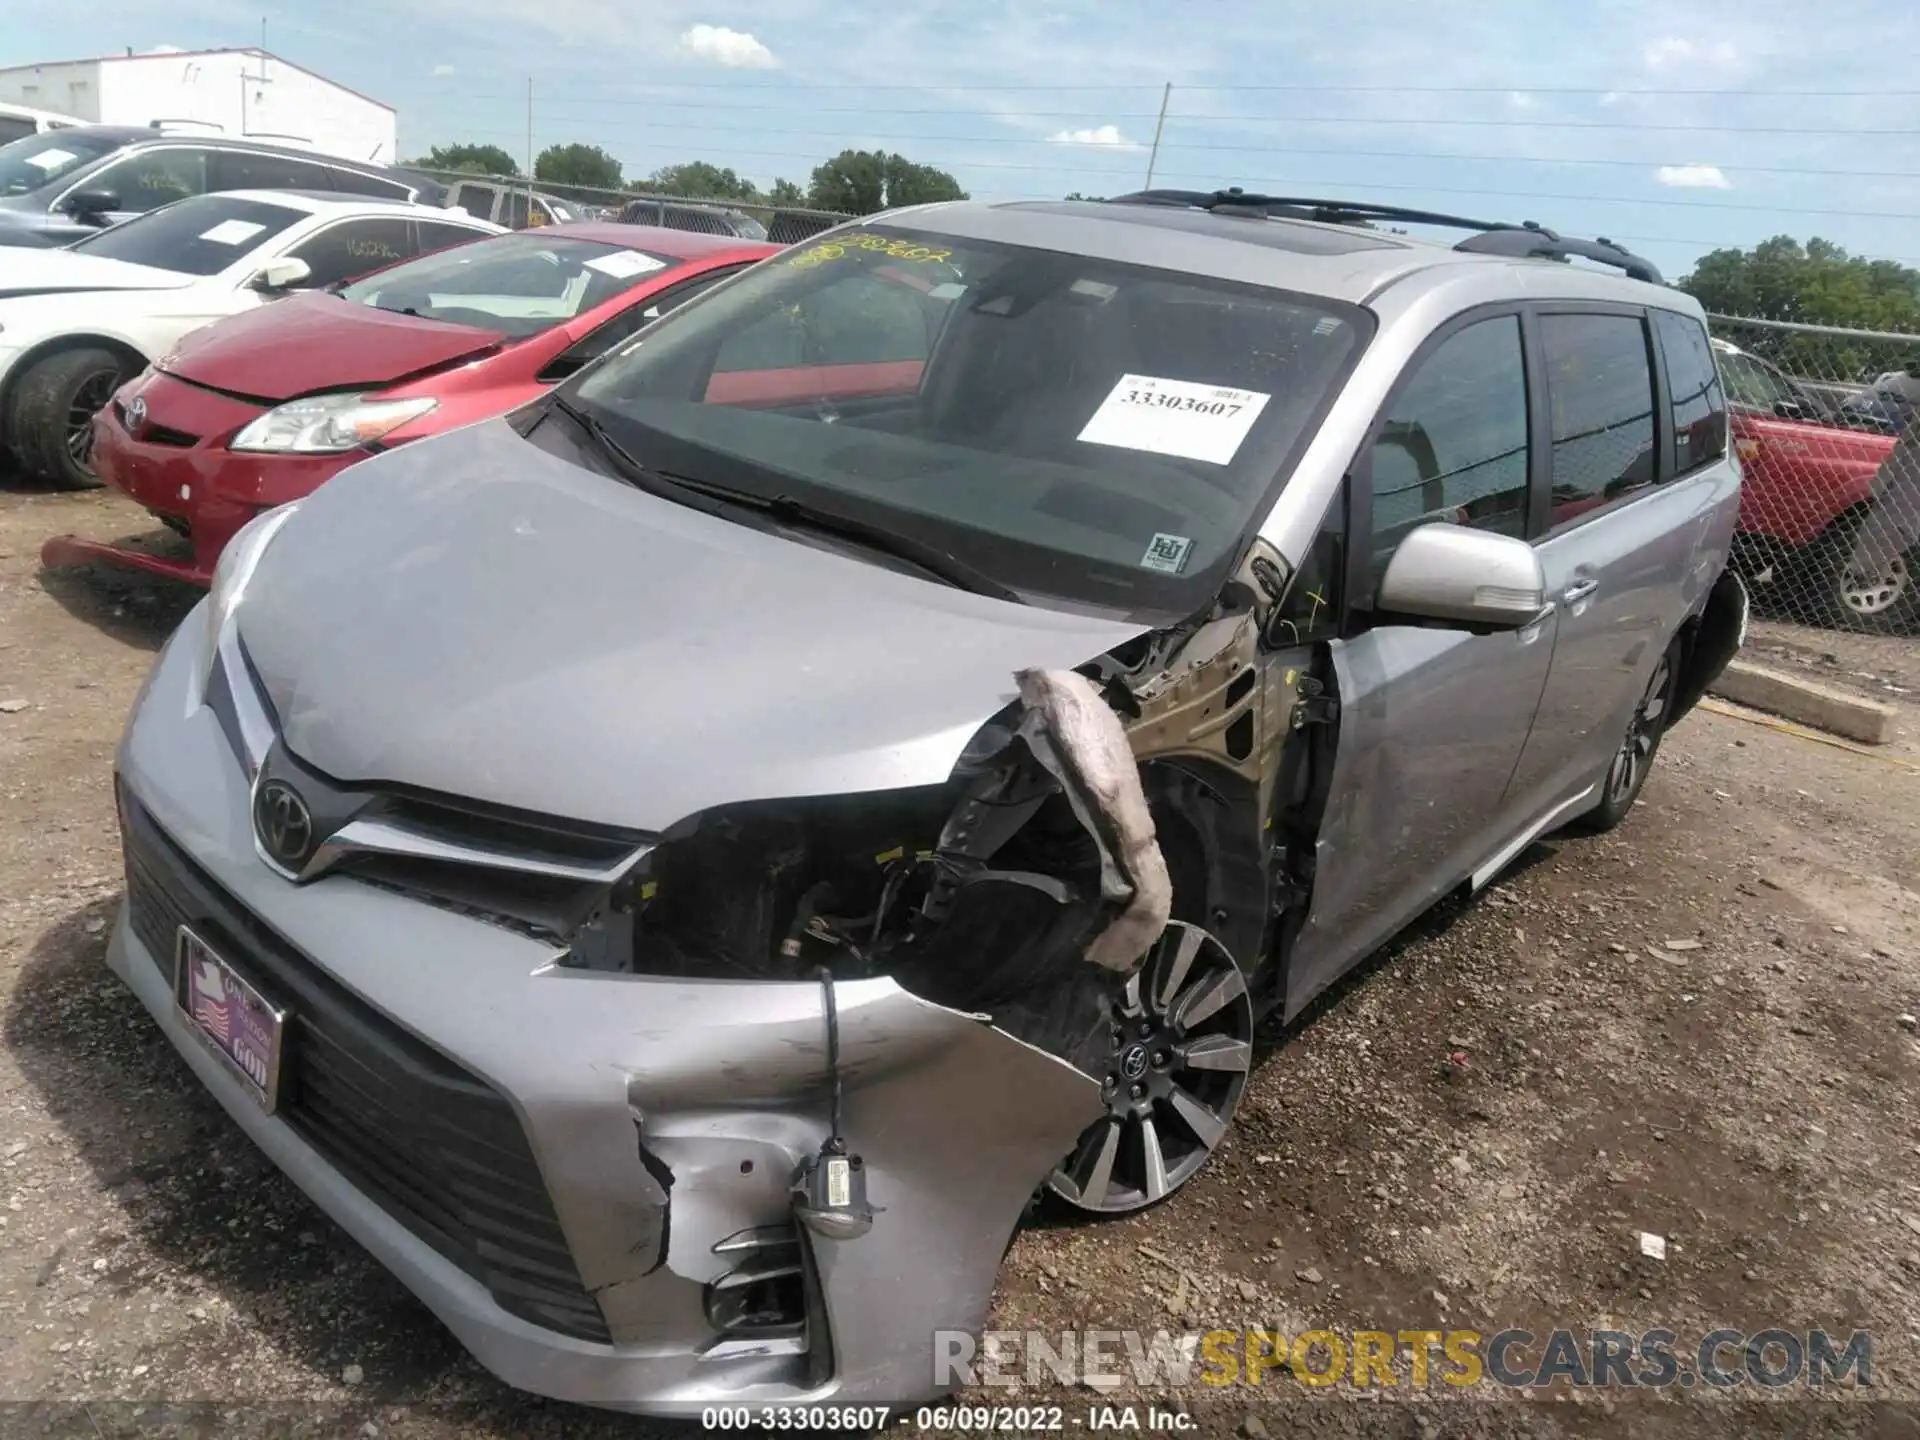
[[136, 413], [284, 823]]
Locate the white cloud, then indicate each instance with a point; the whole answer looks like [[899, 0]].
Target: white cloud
[[1612, 97], [164, 50], [735, 49], [1521, 100], [442, 71], [1673, 52], [1106, 136], [1693, 177]]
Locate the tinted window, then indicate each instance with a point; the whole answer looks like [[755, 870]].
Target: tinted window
[[1454, 444], [148, 179], [518, 284], [476, 200], [355, 182], [1693, 388], [1075, 426], [196, 237], [438, 235], [245, 170], [1601, 389], [26, 165], [15, 127], [353, 247]]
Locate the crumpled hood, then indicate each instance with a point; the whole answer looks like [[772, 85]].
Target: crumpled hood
[[32, 271], [476, 616], [308, 343]]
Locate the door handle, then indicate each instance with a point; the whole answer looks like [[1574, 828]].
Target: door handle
[[1579, 590]]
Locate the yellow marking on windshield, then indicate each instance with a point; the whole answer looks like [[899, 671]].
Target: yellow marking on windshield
[[891, 246]]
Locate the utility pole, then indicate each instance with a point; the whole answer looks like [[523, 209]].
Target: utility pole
[[529, 147], [1154, 155]]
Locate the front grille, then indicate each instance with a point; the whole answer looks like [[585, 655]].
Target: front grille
[[155, 434], [436, 1147]]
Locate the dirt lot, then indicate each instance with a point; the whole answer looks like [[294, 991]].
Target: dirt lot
[[1692, 1028]]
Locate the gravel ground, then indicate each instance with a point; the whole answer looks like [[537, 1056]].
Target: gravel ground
[[1691, 1028]]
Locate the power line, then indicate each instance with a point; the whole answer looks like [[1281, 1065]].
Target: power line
[[1296, 182], [1167, 145], [1530, 123], [836, 87]]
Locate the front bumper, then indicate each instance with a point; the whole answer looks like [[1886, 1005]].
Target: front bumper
[[180, 467], [661, 1121]]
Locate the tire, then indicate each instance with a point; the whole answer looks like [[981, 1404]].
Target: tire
[[1626, 773], [49, 419], [1182, 1048], [1880, 598]]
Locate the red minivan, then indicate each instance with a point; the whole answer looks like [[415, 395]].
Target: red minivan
[[259, 409]]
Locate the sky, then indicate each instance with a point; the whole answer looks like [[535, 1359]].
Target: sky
[[1672, 126]]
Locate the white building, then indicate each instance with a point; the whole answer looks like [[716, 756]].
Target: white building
[[251, 93]]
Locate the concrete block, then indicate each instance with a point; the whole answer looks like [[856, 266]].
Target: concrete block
[[1807, 703]]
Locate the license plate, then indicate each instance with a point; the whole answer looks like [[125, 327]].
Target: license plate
[[236, 1021]]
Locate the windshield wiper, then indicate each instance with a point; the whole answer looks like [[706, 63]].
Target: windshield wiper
[[787, 512]]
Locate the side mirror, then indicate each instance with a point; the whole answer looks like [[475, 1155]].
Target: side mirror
[[1790, 409], [91, 204], [1472, 577], [281, 274]]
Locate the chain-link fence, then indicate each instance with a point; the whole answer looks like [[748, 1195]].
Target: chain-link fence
[[1824, 422], [518, 203]]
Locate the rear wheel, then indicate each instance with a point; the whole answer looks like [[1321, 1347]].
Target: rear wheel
[[1878, 593], [1179, 1054], [1627, 772], [50, 419]]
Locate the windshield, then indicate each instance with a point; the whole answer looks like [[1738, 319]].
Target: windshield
[[39, 160], [518, 285], [1077, 428], [202, 235]]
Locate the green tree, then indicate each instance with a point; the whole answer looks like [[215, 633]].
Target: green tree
[[787, 194], [577, 164], [697, 180], [1076, 195], [1813, 284], [475, 159], [859, 182]]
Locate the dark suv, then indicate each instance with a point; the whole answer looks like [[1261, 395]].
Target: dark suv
[[67, 183]]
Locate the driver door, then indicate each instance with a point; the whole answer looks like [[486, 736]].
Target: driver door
[[1432, 720]]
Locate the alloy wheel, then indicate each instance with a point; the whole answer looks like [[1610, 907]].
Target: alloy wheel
[[92, 393], [1179, 1053], [1643, 733]]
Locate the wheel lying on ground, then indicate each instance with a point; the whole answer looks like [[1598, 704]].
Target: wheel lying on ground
[[1181, 1049], [49, 421], [1880, 594], [1627, 771]]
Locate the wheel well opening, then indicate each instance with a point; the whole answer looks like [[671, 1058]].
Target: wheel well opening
[[135, 361]]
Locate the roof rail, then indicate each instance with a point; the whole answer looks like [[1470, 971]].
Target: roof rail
[[1530, 240]]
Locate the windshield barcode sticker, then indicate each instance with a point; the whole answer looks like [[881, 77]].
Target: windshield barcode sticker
[[1175, 417], [624, 264], [232, 232], [1167, 554]]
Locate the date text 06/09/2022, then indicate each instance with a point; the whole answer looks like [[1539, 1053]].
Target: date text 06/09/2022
[[947, 1419]]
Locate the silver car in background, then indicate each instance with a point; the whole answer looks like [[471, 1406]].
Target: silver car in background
[[675, 870]]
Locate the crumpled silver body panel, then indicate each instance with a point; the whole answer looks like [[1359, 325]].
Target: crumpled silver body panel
[[521, 630], [725, 1083]]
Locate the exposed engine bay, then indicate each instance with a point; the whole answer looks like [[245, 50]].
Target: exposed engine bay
[[1029, 888]]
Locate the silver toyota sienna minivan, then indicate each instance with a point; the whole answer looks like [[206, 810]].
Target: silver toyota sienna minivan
[[676, 871]]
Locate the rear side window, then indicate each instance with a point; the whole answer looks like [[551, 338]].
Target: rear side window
[[1693, 389], [1600, 386], [438, 235], [476, 200], [355, 182], [1454, 444], [244, 170], [15, 127]]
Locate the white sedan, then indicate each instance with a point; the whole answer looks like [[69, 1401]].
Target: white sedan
[[77, 322]]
